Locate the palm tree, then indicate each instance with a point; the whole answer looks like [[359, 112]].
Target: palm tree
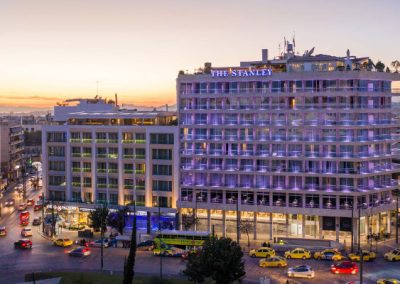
[[379, 66], [98, 219], [396, 65]]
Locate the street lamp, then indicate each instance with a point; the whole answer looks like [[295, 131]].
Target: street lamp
[[159, 232], [237, 219]]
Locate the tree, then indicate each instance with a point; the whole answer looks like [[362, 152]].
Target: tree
[[246, 227], [220, 259], [189, 220], [396, 65], [379, 66], [117, 220], [387, 70], [98, 220], [129, 265]]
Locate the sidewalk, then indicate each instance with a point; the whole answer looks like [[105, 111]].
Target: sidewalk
[[45, 281]]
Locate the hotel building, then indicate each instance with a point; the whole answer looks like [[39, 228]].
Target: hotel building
[[298, 145], [99, 153]]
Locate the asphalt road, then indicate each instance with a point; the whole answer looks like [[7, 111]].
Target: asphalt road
[[44, 256]]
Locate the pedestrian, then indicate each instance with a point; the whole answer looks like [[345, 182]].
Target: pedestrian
[[268, 245], [264, 244], [287, 281]]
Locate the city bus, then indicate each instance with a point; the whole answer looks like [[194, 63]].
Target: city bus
[[179, 239]]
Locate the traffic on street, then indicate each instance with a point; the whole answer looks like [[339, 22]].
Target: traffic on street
[[25, 249]]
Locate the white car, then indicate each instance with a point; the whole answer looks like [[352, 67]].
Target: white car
[[26, 232], [304, 271]]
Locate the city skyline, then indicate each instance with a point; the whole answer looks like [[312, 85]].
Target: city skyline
[[56, 51]]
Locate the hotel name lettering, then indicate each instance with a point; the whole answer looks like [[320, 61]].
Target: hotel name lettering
[[241, 73]]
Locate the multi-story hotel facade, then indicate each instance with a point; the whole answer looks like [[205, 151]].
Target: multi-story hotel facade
[[111, 156], [298, 145]]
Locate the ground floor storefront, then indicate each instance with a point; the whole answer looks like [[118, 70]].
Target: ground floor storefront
[[269, 226], [77, 218]]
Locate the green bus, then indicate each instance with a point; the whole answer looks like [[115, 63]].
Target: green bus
[[181, 239]]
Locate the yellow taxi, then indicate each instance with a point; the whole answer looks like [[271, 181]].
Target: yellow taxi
[[63, 242], [262, 252], [393, 255], [388, 281], [367, 256], [298, 253], [328, 254], [275, 261]]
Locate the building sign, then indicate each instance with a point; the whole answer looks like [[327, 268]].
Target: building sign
[[241, 72]]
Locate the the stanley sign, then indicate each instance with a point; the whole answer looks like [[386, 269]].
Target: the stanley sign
[[241, 72]]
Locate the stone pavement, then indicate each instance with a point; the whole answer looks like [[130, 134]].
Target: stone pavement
[[45, 281]]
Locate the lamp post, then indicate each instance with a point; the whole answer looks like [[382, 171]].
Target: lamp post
[[397, 192], [352, 229], [237, 220], [195, 210], [159, 231]]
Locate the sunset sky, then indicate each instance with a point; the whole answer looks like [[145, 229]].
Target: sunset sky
[[52, 50]]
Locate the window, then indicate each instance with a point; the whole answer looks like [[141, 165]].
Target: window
[[162, 201], [56, 151], [114, 198], [56, 137], [87, 182], [128, 153], [162, 170], [57, 180], [140, 153], [57, 166], [161, 185], [162, 138], [162, 154]]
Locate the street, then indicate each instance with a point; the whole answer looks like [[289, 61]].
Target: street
[[44, 256]]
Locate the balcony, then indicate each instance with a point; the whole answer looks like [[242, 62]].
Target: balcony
[[139, 171], [75, 140], [262, 168], [87, 155], [200, 137], [216, 137], [247, 168], [128, 156], [101, 140], [101, 170], [263, 153], [127, 141], [76, 154]]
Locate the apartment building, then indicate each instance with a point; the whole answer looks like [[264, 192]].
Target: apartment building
[[298, 145], [11, 148]]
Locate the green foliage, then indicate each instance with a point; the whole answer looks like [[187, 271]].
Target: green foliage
[[246, 227], [129, 265], [98, 218], [220, 259], [189, 220], [396, 65], [380, 66], [117, 220]]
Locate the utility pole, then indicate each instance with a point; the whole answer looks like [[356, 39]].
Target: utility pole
[[43, 212], [397, 192], [352, 229]]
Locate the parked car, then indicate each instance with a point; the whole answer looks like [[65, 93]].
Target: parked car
[[9, 202], [298, 253], [147, 245], [63, 242], [97, 243], [328, 254], [344, 267], [304, 271], [275, 261], [37, 221], [23, 244], [37, 207], [262, 252], [3, 231], [393, 255], [30, 202], [26, 232], [367, 256], [80, 252], [388, 281]]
